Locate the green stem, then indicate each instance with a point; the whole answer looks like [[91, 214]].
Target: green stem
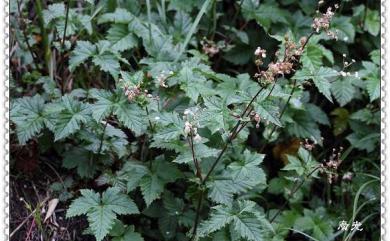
[[45, 37]]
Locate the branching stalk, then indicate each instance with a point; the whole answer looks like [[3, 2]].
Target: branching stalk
[[232, 135]]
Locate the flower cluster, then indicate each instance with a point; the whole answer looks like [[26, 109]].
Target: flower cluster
[[274, 69], [309, 144], [332, 164], [209, 47], [162, 77], [346, 65], [255, 117], [260, 55], [292, 53], [132, 92], [191, 125], [323, 22]]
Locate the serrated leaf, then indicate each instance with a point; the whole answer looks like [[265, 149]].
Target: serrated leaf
[[343, 90], [83, 51], [133, 117], [247, 225], [317, 114], [102, 210], [372, 22], [151, 187], [28, 115], [121, 38], [119, 16], [69, 118], [321, 78], [219, 218]]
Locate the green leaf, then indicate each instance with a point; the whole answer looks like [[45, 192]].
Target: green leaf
[[373, 86], [83, 51], [245, 218], [102, 210], [80, 158], [294, 164], [129, 235], [220, 216], [53, 11], [304, 126], [108, 62], [28, 115], [120, 37], [119, 16], [343, 90], [344, 28], [320, 77], [151, 186], [264, 14], [68, 117], [317, 114], [247, 225], [133, 117], [372, 22]]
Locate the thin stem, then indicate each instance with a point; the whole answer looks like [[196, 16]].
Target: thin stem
[[281, 113], [150, 123], [232, 135], [23, 29], [45, 38], [295, 189], [196, 163], [148, 9], [66, 23], [196, 221], [146, 138], [102, 137]]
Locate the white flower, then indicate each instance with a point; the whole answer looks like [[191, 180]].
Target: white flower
[[197, 138], [357, 74], [187, 128], [344, 55], [157, 118], [187, 112], [343, 73]]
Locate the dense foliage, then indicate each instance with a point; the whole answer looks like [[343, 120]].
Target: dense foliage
[[203, 120]]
